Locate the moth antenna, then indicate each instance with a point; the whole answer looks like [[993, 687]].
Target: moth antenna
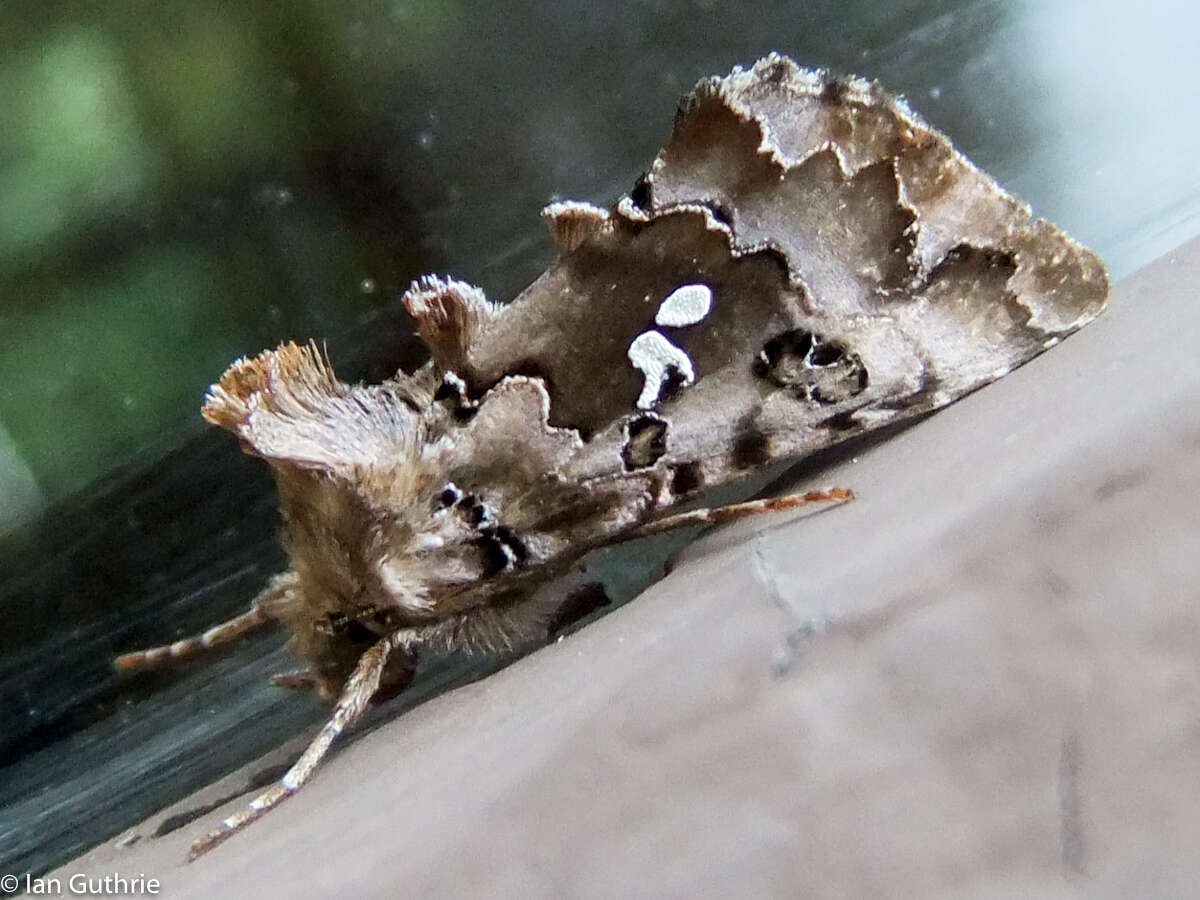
[[449, 315]]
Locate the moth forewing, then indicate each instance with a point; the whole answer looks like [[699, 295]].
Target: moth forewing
[[805, 260]]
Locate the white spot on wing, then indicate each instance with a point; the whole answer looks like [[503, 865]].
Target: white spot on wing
[[656, 357], [685, 306]]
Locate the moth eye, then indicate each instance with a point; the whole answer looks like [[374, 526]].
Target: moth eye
[[645, 442]]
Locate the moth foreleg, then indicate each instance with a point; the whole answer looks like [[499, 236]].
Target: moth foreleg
[[356, 697], [720, 514], [480, 629], [263, 612]]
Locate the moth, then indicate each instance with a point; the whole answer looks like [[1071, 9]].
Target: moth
[[806, 260]]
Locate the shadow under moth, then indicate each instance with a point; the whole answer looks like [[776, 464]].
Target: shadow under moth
[[806, 260]]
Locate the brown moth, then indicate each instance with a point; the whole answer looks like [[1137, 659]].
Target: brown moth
[[805, 261]]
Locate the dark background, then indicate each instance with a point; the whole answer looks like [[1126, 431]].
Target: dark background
[[182, 183]]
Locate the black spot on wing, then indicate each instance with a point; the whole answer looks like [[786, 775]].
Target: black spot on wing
[[645, 442], [686, 478], [751, 447]]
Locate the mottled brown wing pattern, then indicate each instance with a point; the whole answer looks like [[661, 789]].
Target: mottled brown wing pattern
[[859, 269]]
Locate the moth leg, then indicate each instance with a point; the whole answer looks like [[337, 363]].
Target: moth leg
[[263, 612], [720, 514], [356, 697], [482, 629]]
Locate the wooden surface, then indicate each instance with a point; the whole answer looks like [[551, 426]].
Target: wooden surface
[[977, 680]]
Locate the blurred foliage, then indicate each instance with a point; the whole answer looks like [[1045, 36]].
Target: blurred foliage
[[166, 204], [67, 367], [74, 148]]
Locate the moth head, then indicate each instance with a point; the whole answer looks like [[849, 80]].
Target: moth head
[[347, 460]]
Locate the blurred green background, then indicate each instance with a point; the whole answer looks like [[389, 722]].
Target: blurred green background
[[172, 195], [189, 181]]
